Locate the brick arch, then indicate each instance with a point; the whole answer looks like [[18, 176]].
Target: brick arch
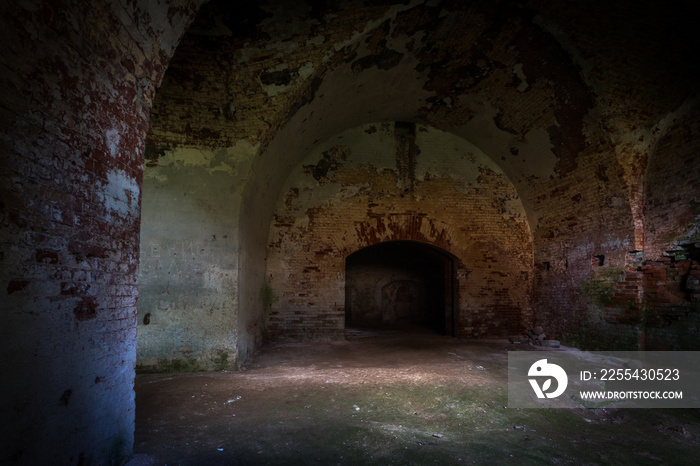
[[405, 226], [351, 192], [428, 272]]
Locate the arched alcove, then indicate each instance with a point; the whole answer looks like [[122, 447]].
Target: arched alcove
[[401, 285], [410, 191]]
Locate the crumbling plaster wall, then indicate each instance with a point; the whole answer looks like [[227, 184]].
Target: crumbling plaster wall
[[657, 295], [645, 96], [365, 187], [524, 104], [189, 264], [77, 84], [589, 84], [556, 100]]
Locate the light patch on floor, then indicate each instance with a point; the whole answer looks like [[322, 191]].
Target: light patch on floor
[[387, 398]]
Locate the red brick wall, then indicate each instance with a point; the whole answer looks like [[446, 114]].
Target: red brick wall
[[351, 193], [672, 188], [77, 81], [568, 102], [585, 214], [659, 292]]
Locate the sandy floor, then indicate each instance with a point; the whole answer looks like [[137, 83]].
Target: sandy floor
[[387, 398]]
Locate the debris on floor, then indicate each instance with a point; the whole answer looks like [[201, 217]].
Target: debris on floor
[[535, 336], [417, 404]]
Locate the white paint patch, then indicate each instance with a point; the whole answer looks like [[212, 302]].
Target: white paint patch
[[113, 138], [121, 194]]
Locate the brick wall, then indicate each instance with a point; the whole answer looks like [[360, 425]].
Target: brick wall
[[77, 82], [570, 115], [356, 190], [658, 293], [590, 129]]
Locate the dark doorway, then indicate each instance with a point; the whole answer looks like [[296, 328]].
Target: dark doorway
[[401, 285]]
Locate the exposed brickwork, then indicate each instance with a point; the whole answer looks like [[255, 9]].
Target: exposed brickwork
[[571, 232], [77, 81], [571, 118], [660, 299], [579, 213], [672, 209], [658, 295], [373, 202]]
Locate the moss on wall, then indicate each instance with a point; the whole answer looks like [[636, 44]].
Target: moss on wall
[[174, 365], [219, 361], [268, 297], [592, 331], [600, 287]]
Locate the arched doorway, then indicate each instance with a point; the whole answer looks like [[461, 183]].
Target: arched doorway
[[401, 285]]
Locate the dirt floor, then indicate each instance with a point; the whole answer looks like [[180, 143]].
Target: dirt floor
[[387, 398]]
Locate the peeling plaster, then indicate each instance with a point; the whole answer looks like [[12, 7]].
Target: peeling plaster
[[306, 70], [121, 193], [511, 119], [234, 160], [457, 158], [284, 48], [644, 139], [518, 71], [361, 201], [317, 40], [374, 24], [534, 158], [113, 139], [273, 90]]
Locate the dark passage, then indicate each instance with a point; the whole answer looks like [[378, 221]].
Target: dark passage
[[400, 285]]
